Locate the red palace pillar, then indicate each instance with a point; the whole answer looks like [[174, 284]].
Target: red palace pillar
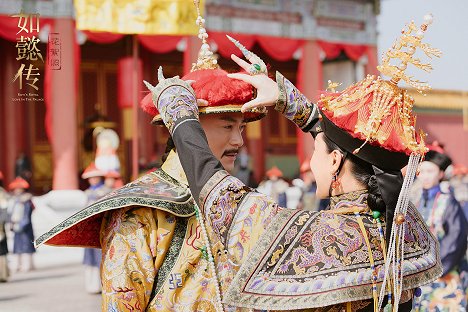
[[129, 95], [310, 83], [64, 137]]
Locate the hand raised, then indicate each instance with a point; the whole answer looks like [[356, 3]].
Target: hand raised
[[267, 89]]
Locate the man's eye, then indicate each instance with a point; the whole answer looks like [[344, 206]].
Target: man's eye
[[229, 127], [242, 128]]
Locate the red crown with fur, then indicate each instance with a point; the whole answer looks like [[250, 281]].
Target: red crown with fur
[[224, 95]]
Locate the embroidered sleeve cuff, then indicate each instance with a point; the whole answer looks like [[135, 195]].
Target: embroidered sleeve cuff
[[176, 102], [294, 105], [282, 101]]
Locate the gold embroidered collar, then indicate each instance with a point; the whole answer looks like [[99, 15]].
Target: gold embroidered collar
[[351, 202]]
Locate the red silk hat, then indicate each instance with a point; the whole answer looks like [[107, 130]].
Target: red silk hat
[[223, 94], [435, 146], [18, 183], [92, 171]]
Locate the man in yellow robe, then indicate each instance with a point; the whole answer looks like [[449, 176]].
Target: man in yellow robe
[[154, 257]]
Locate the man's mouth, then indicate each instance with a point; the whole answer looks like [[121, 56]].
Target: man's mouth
[[231, 153]]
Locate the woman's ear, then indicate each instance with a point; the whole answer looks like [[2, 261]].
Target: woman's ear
[[337, 158]]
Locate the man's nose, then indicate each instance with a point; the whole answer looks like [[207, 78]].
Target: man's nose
[[236, 139]]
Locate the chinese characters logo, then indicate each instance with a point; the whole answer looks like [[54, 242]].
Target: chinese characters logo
[[54, 48], [28, 50]]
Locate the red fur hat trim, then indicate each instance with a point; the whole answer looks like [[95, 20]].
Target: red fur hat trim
[[223, 94]]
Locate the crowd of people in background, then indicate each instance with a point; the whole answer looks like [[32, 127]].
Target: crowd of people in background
[[16, 228]]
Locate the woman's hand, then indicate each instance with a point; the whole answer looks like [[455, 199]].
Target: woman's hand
[[267, 89]]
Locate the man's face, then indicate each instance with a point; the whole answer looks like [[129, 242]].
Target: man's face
[[224, 133], [429, 174]]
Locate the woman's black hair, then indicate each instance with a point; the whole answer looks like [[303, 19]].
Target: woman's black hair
[[364, 173], [169, 147]]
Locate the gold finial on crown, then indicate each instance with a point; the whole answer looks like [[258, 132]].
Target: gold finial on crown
[[403, 49], [333, 85], [206, 59]]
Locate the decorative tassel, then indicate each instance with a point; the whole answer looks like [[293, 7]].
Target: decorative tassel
[[359, 148], [395, 253]]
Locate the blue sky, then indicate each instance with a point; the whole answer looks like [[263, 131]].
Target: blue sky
[[448, 32]]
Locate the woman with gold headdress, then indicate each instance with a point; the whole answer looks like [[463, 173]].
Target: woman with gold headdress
[[369, 250]]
